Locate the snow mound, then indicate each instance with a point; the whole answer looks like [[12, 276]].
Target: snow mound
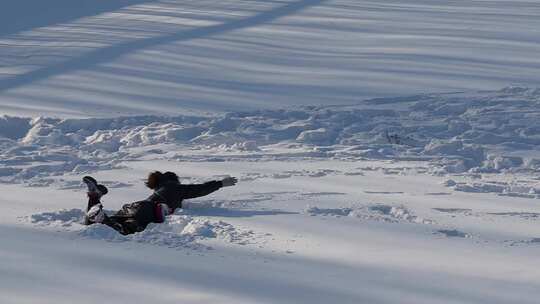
[[178, 231], [377, 212], [103, 232], [456, 132], [391, 213], [521, 188]]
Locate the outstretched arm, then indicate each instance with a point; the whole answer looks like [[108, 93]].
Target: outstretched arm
[[198, 190]]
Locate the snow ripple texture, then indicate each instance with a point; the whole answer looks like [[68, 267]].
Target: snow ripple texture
[[459, 132]]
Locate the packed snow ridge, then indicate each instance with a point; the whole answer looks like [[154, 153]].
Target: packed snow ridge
[[457, 132]]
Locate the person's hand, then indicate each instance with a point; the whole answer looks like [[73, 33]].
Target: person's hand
[[229, 181]]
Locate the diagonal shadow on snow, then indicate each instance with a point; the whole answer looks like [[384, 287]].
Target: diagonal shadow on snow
[[23, 15], [108, 54]]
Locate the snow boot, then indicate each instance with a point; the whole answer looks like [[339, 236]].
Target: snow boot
[[95, 214], [94, 189], [95, 192]]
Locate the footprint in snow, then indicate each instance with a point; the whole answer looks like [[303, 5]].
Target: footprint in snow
[[453, 233]]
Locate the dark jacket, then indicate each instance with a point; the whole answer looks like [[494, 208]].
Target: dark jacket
[[173, 193], [134, 217]]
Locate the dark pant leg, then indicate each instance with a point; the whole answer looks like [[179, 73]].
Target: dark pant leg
[[122, 221], [132, 218], [124, 225], [128, 220]]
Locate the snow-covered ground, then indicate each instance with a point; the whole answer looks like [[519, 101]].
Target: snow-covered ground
[[364, 176], [118, 57], [366, 232]]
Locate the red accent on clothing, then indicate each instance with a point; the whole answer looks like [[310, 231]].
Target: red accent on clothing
[[159, 213]]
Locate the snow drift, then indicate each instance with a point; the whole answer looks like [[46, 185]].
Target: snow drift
[[476, 132]]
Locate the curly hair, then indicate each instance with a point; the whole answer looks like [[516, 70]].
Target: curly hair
[[154, 179]]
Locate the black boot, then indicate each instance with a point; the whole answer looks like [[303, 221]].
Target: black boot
[[95, 192], [94, 187]]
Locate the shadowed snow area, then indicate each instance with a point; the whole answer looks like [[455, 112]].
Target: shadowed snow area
[[25, 15], [115, 58]]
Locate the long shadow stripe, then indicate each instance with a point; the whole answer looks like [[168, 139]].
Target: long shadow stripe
[[110, 53]]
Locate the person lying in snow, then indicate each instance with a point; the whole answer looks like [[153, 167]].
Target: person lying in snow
[[134, 217]]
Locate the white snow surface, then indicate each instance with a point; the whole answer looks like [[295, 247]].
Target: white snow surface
[[479, 132], [138, 57], [292, 231], [378, 158]]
